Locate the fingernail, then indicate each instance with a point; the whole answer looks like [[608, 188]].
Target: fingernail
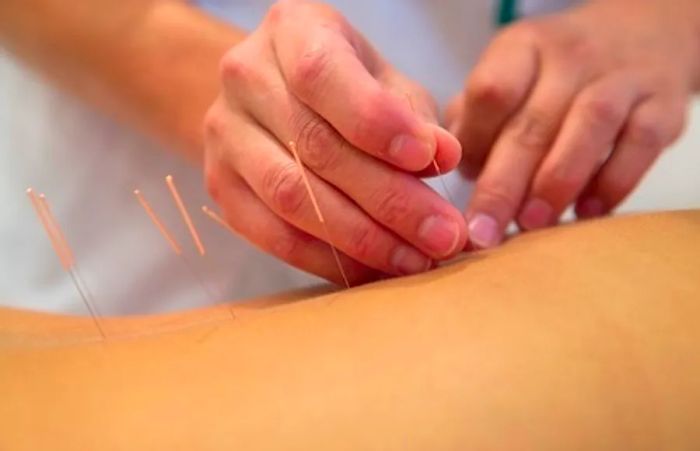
[[484, 231], [590, 208], [411, 153], [536, 214], [439, 234], [409, 261]]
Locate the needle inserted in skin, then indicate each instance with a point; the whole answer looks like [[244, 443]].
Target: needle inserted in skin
[[314, 202], [185, 214], [65, 255], [78, 280], [435, 163]]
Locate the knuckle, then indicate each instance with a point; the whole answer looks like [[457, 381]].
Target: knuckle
[[318, 143], [393, 204], [484, 89], [284, 187], [213, 125], [310, 73], [235, 68], [602, 111], [647, 133], [362, 242], [533, 130]]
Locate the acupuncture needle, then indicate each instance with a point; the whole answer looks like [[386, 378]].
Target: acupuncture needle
[[185, 214], [67, 251], [168, 236], [158, 223], [321, 219], [64, 253], [218, 219], [436, 166]]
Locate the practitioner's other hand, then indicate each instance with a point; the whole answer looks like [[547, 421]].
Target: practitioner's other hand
[[364, 132], [573, 109]]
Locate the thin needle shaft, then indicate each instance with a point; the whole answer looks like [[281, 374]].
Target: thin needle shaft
[[314, 202], [443, 182], [55, 242], [74, 272], [158, 223], [218, 219], [175, 246], [65, 255], [185, 214]]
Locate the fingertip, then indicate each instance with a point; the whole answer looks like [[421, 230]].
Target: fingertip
[[448, 152], [442, 235], [484, 231]]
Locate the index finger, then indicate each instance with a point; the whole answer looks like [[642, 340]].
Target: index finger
[[328, 69]]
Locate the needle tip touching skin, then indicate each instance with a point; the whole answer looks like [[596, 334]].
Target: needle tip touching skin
[[65, 255]]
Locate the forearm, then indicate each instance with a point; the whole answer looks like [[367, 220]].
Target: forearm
[[153, 64]]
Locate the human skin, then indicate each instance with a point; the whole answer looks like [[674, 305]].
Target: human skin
[[581, 337], [364, 131], [158, 65], [573, 109], [150, 63]]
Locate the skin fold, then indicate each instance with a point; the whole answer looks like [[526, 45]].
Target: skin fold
[[580, 337]]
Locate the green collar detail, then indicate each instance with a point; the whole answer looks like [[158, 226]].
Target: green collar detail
[[507, 12]]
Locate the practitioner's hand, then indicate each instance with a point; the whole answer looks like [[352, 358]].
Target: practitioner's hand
[[573, 109], [363, 131]]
